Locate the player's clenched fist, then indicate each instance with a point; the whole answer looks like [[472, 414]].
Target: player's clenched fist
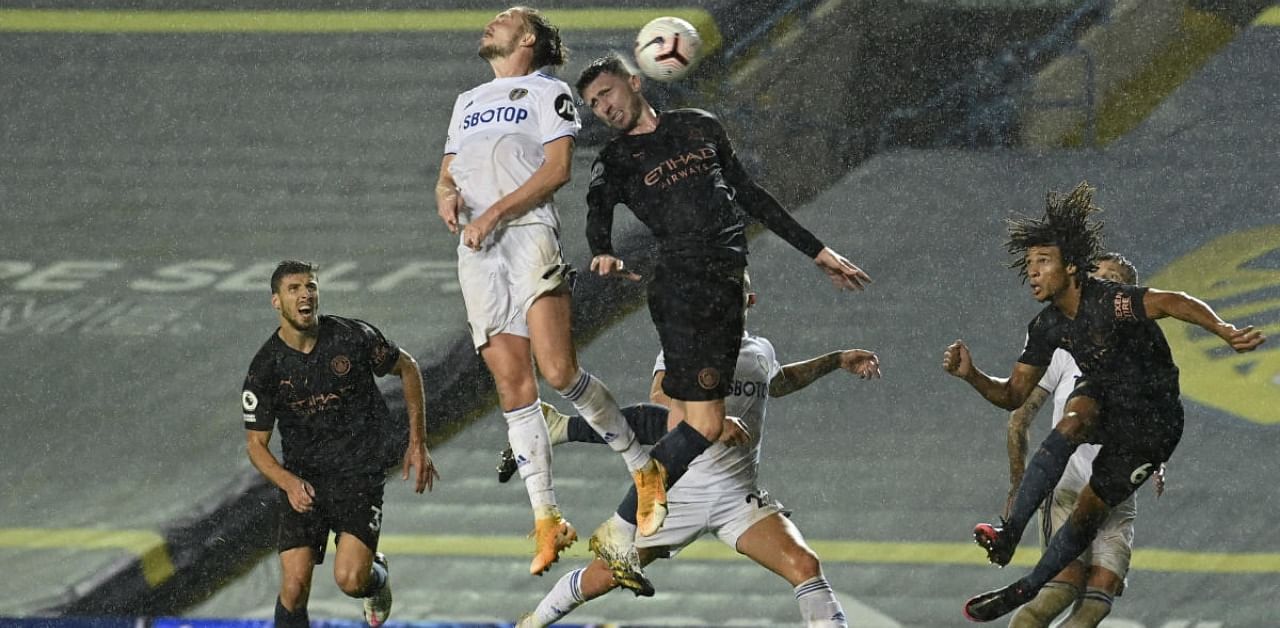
[[956, 360]]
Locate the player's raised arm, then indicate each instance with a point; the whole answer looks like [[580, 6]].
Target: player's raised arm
[[1184, 307], [416, 455], [797, 375], [761, 204], [1007, 393]]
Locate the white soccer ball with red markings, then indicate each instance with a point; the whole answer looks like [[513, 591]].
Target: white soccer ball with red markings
[[667, 48]]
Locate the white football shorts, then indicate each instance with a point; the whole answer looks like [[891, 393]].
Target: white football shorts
[[516, 265], [728, 517], [1113, 546]]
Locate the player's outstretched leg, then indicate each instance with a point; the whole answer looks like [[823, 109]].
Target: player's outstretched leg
[[647, 420], [994, 604], [614, 543], [377, 606], [1046, 467], [1067, 543], [565, 596], [595, 403], [1054, 598]]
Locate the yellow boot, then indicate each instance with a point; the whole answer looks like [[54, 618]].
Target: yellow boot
[[651, 497], [551, 535]]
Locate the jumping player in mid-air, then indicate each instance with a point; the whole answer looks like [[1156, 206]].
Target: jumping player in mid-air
[[509, 148], [1089, 584], [313, 379], [720, 494], [1127, 399], [678, 174]]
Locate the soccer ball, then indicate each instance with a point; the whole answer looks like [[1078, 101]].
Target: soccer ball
[[667, 48]]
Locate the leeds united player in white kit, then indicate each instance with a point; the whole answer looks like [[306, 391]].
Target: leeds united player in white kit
[[719, 495], [509, 148]]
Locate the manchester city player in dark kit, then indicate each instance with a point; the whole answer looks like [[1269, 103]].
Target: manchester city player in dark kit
[[314, 380], [678, 174], [1126, 400]]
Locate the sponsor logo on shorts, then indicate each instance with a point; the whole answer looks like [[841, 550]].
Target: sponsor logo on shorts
[[249, 418], [249, 401], [709, 378], [375, 523], [1140, 474], [340, 365]]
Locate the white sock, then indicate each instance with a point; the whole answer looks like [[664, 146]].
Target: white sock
[[1094, 606], [594, 402], [818, 605], [623, 524], [527, 434], [565, 596]]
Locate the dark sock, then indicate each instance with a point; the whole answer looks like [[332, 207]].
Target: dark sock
[[1042, 475], [1067, 543], [291, 619], [627, 509], [675, 451], [377, 578], [647, 420]]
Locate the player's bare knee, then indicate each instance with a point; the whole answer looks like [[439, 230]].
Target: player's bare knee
[[515, 394], [294, 593], [351, 581], [1074, 431], [802, 564], [560, 374]]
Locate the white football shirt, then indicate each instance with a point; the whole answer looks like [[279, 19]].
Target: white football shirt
[[1059, 380], [722, 468], [496, 135]]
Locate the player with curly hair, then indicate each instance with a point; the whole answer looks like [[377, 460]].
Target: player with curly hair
[[1127, 399]]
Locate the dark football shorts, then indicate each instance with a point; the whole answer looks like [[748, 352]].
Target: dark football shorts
[[1138, 430], [697, 310], [356, 511]]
